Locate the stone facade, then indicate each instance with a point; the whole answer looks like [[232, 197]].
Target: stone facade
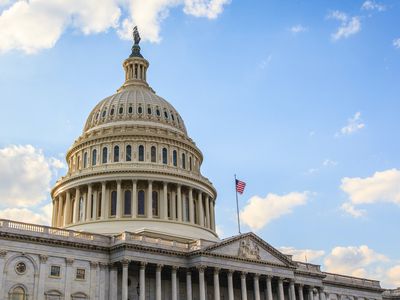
[[134, 218]]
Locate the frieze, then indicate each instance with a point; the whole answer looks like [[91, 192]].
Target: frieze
[[249, 249]]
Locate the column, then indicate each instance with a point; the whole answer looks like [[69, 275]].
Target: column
[[158, 282], [119, 200], [269, 287], [191, 206], [173, 205], [292, 290], [179, 193], [76, 205], [189, 285], [102, 279], [95, 200], [89, 202], [208, 211], [243, 285], [256, 287], [93, 277], [134, 198], [69, 277], [231, 295], [212, 221], [322, 295], [103, 201], [149, 208], [84, 207], [113, 282], [142, 286], [54, 215], [125, 266], [201, 210], [67, 212], [216, 284], [59, 211], [281, 292], [165, 201], [311, 293], [300, 291], [3, 255], [202, 287], [174, 293], [42, 277]]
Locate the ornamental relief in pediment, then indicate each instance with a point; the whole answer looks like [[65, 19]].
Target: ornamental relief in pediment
[[248, 249]]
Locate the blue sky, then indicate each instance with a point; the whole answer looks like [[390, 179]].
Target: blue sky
[[299, 98]]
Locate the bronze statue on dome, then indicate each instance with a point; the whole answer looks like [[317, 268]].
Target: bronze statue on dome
[[136, 35]]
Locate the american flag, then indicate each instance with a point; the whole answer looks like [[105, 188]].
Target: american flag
[[240, 185]]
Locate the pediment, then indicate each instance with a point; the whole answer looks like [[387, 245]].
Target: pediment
[[249, 247]]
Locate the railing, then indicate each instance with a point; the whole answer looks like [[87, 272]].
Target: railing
[[352, 280], [309, 267], [159, 242]]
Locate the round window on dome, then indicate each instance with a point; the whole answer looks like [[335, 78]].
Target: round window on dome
[[149, 110], [20, 268], [140, 110], [158, 112], [121, 110], [130, 110]]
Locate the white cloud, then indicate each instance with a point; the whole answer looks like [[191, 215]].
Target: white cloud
[[27, 215], [355, 261], [265, 63], [372, 5], [348, 25], [258, 211], [353, 125], [329, 163], [352, 210], [25, 175], [33, 25], [396, 43], [303, 255], [380, 187], [298, 28], [393, 276]]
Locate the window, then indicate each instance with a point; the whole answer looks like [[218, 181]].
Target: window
[[153, 154], [155, 203], [130, 110], [172, 117], [105, 154], [158, 112], [104, 113], [140, 110], [183, 161], [53, 295], [128, 153], [99, 206], [149, 110], [175, 158], [169, 205], [165, 114], [113, 211], [20, 268], [190, 163], [18, 293], [116, 154], [91, 207], [78, 160], [121, 110], [165, 156], [55, 271], [94, 157], [186, 208], [80, 274], [128, 203], [141, 153], [85, 160], [141, 203], [112, 111]]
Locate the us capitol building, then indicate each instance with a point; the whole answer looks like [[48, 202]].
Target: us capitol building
[[134, 218]]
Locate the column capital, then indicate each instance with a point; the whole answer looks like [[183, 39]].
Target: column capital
[[94, 264], [43, 258], [231, 271], [268, 277], [150, 181], [143, 264], [292, 281], [201, 268], [174, 268], [280, 279], [216, 270], [243, 274], [118, 181], [125, 262], [321, 288], [189, 272], [301, 285], [3, 253], [69, 261], [134, 180], [256, 276], [159, 267]]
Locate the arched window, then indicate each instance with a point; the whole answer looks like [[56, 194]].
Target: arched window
[[141, 203], [155, 203], [121, 110], [130, 110], [128, 203], [112, 111], [128, 153], [175, 158], [140, 110], [18, 293], [183, 161], [141, 153], [149, 110], [165, 156], [53, 295], [153, 152], [105, 154], [85, 160], [94, 157], [113, 210], [116, 154]]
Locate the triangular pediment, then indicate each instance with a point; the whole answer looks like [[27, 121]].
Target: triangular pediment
[[249, 247]]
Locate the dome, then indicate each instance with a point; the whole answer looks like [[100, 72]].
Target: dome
[[135, 105]]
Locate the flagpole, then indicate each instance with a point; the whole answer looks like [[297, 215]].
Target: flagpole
[[237, 206]]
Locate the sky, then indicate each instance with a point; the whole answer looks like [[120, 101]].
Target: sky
[[300, 99]]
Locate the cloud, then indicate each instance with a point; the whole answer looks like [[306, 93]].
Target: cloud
[[28, 216], [265, 63], [393, 276], [372, 5], [25, 175], [34, 25], [352, 210], [298, 28], [258, 211], [348, 25], [396, 43], [327, 163], [353, 125], [303, 255], [355, 261]]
